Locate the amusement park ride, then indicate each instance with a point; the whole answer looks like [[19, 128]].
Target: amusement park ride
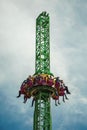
[[43, 86]]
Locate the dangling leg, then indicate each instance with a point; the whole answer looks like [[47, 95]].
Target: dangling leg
[[19, 94], [66, 96], [25, 99], [58, 102], [55, 103], [32, 102], [63, 99], [67, 90]]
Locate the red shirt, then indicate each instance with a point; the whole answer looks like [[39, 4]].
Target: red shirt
[[50, 82], [57, 84]]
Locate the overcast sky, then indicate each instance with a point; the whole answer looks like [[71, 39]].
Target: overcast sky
[[68, 41]]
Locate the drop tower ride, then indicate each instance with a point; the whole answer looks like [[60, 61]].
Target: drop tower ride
[[42, 112], [43, 86]]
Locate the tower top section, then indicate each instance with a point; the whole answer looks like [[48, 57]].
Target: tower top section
[[44, 15], [42, 63]]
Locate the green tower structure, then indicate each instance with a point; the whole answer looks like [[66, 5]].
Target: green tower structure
[[34, 86], [42, 111], [42, 44]]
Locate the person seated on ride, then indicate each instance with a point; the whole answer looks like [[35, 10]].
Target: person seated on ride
[[43, 81], [61, 88], [22, 88], [24, 82], [62, 83], [35, 81], [56, 97], [57, 83], [62, 92], [50, 81], [26, 96], [64, 86], [29, 81], [38, 80]]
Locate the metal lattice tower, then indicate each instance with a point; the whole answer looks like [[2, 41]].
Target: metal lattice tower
[[42, 116], [42, 44], [37, 86], [42, 113]]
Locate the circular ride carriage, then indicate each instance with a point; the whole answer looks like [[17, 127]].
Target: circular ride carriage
[[43, 83]]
